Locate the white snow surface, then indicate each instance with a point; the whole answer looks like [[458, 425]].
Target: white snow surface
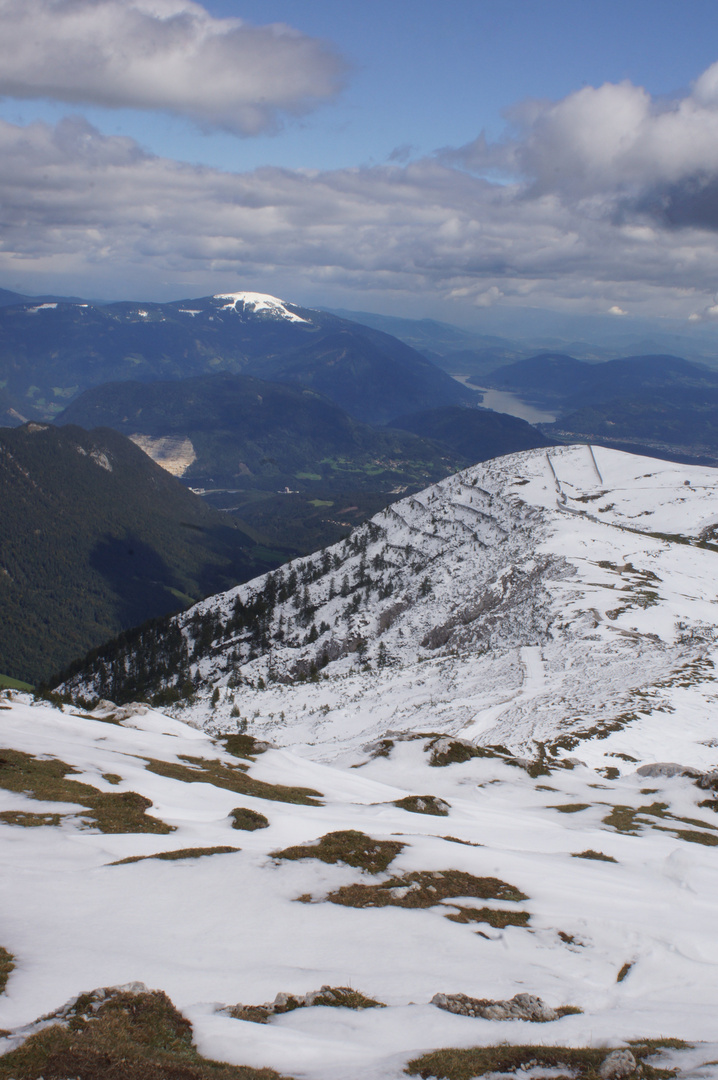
[[556, 605], [228, 928], [259, 303]]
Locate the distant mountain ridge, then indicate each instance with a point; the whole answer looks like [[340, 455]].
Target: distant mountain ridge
[[251, 433], [52, 350], [663, 405]]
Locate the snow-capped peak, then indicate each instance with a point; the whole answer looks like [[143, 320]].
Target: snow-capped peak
[[259, 302]]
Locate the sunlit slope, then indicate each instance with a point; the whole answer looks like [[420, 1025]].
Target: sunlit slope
[[543, 601]]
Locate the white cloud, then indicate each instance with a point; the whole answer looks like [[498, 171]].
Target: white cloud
[[607, 143], [170, 55], [105, 217]]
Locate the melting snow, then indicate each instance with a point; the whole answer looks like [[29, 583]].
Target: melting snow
[[259, 302]]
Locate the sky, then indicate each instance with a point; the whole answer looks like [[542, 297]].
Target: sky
[[485, 156]]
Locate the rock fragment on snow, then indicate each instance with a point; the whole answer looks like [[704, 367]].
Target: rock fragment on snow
[[521, 1007], [618, 1064]]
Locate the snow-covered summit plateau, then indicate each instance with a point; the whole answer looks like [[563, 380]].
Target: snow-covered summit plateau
[[258, 304], [490, 770]]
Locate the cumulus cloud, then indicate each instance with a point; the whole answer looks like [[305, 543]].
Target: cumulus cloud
[[170, 55], [615, 150], [99, 212]]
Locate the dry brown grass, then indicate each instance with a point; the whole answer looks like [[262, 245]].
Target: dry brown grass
[[178, 853], [423, 804], [347, 846], [52, 780], [7, 964], [29, 821], [424, 888], [577, 1063], [233, 778], [248, 820], [590, 854], [493, 916], [129, 1037]]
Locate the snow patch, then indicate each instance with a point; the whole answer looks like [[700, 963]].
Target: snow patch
[[259, 303]]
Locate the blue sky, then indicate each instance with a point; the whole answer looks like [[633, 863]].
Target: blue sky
[[343, 163], [423, 78]]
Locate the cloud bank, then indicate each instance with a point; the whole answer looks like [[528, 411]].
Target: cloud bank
[[608, 202], [168, 55]]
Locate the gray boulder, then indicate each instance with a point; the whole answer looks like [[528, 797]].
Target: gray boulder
[[618, 1064], [520, 1007]]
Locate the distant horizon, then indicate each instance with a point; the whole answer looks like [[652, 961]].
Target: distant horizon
[[540, 328]]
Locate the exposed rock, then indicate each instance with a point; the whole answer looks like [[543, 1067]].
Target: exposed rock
[[667, 769], [336, 996], [520, 1007], [618, 1064]]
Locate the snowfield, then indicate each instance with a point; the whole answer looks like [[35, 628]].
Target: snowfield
[[521, 643]]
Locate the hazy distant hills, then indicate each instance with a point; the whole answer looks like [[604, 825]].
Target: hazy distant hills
[[287, 461], [250, 433], [556, 379], [661, 404], [95, 538], [51, 350], [475, 434]]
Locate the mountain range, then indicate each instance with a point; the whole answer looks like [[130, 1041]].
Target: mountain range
[[661, 404], [436, 801], [52, 350]]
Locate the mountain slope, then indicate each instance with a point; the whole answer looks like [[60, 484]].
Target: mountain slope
[[94, 538], [475, 434], [51, 351], [134, 847], [501, 605], [663, 405], [250, 433], [493, 773], [554, 379]]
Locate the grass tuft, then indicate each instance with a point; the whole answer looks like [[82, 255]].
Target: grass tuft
[[243, 746], [571, 808], [423, 804], [51, 780], [624, 972], [579, 1063], [178, 853], [7, 964], [493, 916], [590, 854], [130, 1036], [423, 889], [248, 820], [347, 846], [233, 778], [457, 840]]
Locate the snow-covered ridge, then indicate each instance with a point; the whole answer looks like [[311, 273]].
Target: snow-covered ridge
[[259, 303], [563, 601]]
